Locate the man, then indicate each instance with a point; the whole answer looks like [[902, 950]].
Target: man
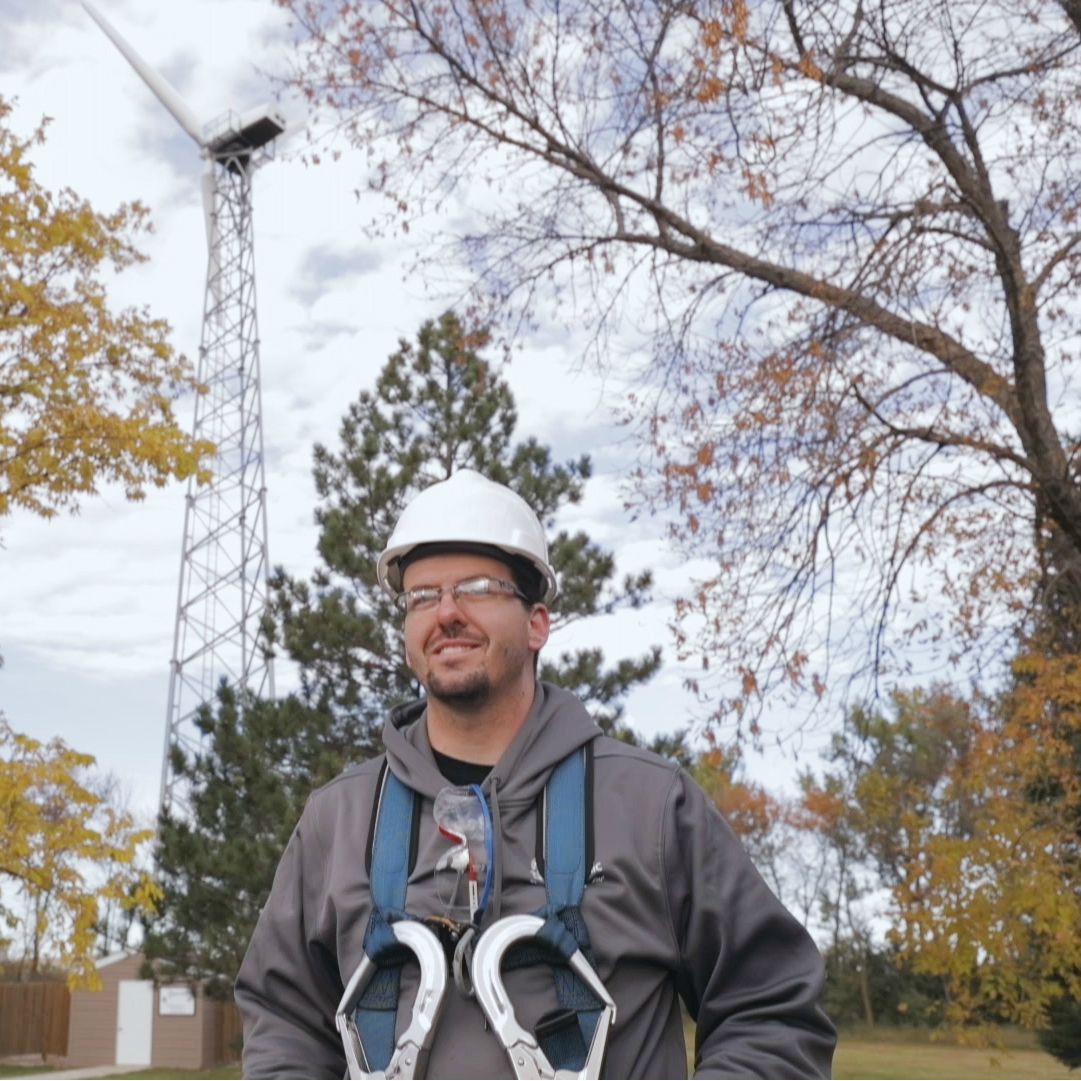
[[672, 906]]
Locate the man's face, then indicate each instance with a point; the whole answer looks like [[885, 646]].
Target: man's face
[[467, 652]]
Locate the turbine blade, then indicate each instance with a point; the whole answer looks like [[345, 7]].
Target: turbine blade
[[165, 93]]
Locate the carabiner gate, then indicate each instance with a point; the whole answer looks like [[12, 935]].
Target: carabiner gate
[[416, 1040], [527, 1058]]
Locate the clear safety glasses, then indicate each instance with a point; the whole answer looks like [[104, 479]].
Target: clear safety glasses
[[467, 591], [464, 871]]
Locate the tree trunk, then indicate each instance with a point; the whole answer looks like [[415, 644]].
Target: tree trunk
[[865, 989]]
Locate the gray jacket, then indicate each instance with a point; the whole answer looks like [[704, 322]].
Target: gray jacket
[[678, 912]]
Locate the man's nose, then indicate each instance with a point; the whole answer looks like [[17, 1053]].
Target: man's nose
[[449, 609]]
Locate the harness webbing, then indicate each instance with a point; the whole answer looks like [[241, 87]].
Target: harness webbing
[[389, 877], [566, 851]]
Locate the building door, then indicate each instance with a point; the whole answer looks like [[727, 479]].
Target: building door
[[134, 1022]]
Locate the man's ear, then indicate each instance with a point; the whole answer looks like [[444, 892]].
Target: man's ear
[[540, 622]]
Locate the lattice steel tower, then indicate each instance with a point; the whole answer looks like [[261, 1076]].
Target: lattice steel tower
[[223, 562]]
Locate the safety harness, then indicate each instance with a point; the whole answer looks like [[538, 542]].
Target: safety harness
[[564, 860]]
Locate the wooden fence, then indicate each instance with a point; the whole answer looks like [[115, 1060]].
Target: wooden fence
[[34, 1018], [225, 1033]]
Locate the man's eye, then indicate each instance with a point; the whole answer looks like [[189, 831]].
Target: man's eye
[[474, 588]]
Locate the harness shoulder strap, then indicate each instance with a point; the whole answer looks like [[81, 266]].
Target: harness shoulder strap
[[394, 817], [568, 827], [568, 856], [392, 841]]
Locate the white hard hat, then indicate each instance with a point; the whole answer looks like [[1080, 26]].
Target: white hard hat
[[468, 509]]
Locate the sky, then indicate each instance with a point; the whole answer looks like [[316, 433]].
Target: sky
[[87, 602]]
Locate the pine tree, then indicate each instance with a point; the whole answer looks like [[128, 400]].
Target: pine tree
[[1062, 1036], [246, 788], [437, 407]]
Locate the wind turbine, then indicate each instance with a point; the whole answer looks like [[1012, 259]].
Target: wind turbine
[[223, 563]]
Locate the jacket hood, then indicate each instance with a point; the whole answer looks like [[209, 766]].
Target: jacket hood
[[556, 725]]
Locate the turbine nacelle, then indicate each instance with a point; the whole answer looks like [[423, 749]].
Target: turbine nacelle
[[238, 135]]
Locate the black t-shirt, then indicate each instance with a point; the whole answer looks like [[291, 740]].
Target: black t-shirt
[[458, 772]]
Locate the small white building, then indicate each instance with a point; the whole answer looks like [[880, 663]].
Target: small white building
[[133, 1022]]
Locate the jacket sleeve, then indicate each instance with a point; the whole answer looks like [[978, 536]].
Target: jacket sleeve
[[288, 987], [750, 975]]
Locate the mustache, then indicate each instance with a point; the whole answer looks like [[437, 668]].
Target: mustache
[[444, 639]]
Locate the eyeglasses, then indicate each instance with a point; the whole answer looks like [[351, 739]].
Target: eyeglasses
[[467, 591]]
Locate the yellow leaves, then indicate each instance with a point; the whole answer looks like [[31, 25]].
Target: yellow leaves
[[994, 917], [972, 809], [86, 392], [64, 849], [146, 893]]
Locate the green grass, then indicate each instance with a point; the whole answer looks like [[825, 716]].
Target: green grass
[[886, 1059], [911, 1053], [855, 1058], [218, 1071], [882, 1054]]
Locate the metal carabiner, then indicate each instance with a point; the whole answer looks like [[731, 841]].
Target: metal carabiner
[[526, 1056], [417, 1038]]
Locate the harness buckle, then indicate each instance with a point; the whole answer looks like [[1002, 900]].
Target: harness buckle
[[527, 1058], [416, 1040]]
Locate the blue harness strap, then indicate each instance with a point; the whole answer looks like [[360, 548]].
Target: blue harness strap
[[567, 809], [377, 1010]]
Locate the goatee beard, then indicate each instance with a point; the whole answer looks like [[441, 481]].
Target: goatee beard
[[473, 691]]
